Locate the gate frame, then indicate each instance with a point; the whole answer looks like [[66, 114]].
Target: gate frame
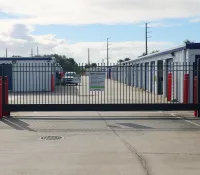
[[7, 108]]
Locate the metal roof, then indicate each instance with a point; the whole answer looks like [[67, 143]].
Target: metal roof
[[191, 46]]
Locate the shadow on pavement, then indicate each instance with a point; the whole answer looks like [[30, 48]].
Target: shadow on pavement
[[95, 118], [137, 126], [16, 123]]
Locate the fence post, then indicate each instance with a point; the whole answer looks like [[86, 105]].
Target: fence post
[[186, 89], [195, 93], [198, 87], [1, 105], [5, 113], [169, 89], [52, 83]]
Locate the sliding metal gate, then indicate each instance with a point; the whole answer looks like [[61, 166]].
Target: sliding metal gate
[[34, 89]]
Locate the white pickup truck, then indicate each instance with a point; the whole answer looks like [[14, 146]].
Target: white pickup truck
[[71, 78]]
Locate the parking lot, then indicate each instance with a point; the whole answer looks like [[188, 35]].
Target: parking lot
[[140, 143]]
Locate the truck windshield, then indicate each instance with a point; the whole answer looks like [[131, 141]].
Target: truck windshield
[[71, 74]]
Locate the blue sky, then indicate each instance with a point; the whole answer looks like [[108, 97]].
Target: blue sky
[[71, 27], [182, 29], [177, 31]]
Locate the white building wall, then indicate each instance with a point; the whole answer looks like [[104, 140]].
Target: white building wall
[[139, 76], [181, 57], [29, 75], [132, 74], [164, 78], [32, 76], [190, 58], [149, 77], [143, 75], [178, 76]]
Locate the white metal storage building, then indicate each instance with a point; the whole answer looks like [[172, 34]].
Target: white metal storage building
[[29, 74], [150, 72]]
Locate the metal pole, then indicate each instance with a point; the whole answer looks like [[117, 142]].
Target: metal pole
[[146, 38], [107, 52], [88, 56], [31, 52], [6, 52], [198, 91]]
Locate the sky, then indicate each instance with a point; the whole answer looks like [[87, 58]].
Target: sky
[[71, 27]]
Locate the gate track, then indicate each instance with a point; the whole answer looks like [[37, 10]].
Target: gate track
[[133, 151]]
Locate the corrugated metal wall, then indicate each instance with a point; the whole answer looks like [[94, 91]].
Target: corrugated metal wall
[[27, 75], [153, 77], [31, 79], [147, 76]]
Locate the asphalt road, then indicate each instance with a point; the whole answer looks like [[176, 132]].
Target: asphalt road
[[115, 143]]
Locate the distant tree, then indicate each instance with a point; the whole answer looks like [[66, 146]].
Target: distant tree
[[120, 61], [68, 64], [188, 41], [87, 66], [94, 65], [16, 56], [127, 59], [154, 51], [91, 65], [143, 54]]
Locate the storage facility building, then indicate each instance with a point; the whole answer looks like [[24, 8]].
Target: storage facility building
[[150, 72], [29, 74]]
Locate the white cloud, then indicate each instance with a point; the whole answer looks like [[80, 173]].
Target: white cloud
[[162, 24], [97, 11], [195, 20], [21, 44], [20, 31]]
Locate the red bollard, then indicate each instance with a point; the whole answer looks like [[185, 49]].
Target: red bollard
[[169, 91], [1, 107], [195, 93], [52, 83], [62, 74], [5, 113], [186, 89]]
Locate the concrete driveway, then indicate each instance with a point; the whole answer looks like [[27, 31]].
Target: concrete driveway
[[114, 93], [99, 143]]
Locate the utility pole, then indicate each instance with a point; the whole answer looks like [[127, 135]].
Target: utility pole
[[88, 56], [31, 52], [37, 51], [146, 37], [107, 52], [6, 52]]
